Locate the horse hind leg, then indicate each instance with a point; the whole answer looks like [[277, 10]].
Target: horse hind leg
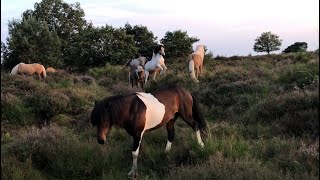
[[194, 125]]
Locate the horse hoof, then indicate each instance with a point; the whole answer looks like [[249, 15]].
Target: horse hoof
[[132, 174]]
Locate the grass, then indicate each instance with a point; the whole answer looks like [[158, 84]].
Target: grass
[[262, 115]]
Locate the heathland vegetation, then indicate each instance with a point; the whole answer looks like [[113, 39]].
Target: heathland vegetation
[[262, 111], [262, 114]]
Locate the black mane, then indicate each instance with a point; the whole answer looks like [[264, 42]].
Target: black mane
[[111, 109], [157, 49]]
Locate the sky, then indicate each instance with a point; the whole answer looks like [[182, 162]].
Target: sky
[[226, 27]]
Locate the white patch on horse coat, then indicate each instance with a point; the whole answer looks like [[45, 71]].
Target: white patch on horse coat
[[199, 139], [155, 110]]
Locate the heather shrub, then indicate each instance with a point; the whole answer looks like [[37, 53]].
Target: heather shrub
[[14, 111], [299, 75], [296, 112], [59, 153]]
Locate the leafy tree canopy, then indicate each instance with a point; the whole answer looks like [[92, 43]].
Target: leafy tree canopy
[[267, 42], [144, 39], [178, 44], [296, 47]]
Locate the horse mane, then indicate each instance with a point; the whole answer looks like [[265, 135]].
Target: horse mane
[[157, 49], [200, 50], [15, 69], [112, 107]]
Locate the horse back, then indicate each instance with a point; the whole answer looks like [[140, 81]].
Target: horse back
[[175, 98], [197, 59]]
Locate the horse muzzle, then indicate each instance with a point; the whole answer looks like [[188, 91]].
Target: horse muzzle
[[101, 141]]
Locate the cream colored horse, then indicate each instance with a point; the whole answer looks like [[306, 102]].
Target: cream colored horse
[[196, 62], [51, 70], [29, 69]]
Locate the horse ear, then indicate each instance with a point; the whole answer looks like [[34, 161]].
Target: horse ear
[[95, 102]]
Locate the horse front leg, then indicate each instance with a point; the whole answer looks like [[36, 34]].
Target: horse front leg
[[164, 69], [135, 153], [154, 76], [146, 73]]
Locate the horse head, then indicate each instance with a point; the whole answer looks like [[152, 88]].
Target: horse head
[[140, 73], [159, 49], [100, 119]]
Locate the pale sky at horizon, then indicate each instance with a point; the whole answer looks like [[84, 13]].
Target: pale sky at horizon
[[226, 27]]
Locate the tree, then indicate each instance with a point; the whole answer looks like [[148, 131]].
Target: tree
[[96, 47], [67, 20], [4, 52], [178, 44], [267, 42], [30, 41], [143, 39], [296, 47]]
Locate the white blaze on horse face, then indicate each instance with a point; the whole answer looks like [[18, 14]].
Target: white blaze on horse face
[[162, 51], [155, 110]]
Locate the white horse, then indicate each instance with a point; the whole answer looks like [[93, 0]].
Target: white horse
[[156, 63]]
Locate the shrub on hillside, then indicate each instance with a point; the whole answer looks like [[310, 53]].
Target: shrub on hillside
[[299, 75], [295, 113], [59, 152], [14, 111]]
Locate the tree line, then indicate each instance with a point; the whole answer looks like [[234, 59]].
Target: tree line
[[56, 34]]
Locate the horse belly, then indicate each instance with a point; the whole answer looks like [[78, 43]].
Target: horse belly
[[154, 110]]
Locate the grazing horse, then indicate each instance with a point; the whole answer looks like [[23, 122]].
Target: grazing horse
[[141, 112], [51, 70], [29, 69], [133, 63], [196, 62], [137, 76], [156, 64]]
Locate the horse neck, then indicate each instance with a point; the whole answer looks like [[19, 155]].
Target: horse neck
[[157, 57]]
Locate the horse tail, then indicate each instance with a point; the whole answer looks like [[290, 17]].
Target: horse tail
[[127, 63], [15, 69], [191, 68], [197, 115]]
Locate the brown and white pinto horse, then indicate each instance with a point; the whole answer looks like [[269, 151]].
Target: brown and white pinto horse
[[141, 112], [196, 62], [29, 69]]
